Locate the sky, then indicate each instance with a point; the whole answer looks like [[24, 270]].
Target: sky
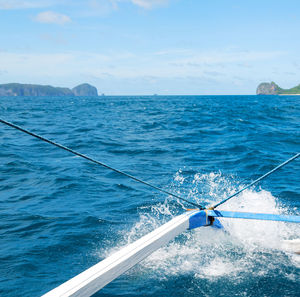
[[145, 47]]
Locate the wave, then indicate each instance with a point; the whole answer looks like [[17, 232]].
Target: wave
[[243, 247]]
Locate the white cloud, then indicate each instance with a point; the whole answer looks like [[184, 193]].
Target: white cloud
[[51, 17], [99, 7], [103, 6], [180, 71], [21, 4], [106, 6], [128, 65], [186, 57], [148, 4]]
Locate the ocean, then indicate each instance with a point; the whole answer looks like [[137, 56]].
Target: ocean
[[60, 214]]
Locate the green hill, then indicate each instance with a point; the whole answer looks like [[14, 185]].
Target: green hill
[[16, 89], [294, 90], [273, 89]]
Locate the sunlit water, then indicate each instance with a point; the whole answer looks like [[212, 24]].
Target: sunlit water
[[60, 214]]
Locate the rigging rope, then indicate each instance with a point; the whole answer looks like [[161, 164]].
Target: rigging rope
[[99, 163], [257, 180], [141, 181]]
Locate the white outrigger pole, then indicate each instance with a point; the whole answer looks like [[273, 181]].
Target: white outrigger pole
[[93, 279]]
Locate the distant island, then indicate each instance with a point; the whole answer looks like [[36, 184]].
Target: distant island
[[273, 89], [16, 89]]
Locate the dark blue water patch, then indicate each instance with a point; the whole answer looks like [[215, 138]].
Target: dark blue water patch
[[60, 214]]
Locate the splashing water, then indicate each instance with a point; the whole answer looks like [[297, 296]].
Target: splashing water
[[245, 247], [57, 220]]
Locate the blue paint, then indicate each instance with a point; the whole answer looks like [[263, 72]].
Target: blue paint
[[201, 219], [217, 224], [198, 220], [254, 216]]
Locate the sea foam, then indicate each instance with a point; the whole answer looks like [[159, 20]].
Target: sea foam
[[244, 246]]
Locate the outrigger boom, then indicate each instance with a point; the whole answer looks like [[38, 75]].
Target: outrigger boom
[[93, 279]]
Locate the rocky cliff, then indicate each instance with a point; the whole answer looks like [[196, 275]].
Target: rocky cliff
[[273, 89], [267, 89], [85, 90], [15, 89]]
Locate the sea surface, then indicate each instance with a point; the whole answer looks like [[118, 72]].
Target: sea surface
[[60, 214]]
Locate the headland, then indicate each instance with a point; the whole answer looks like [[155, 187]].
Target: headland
[[17, 89], [273, 89]]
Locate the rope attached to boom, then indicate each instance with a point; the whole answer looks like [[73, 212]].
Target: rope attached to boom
[[144, 182], [257, 180], [99, 163]]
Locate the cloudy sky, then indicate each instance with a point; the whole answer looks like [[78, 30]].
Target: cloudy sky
[[151, 46]]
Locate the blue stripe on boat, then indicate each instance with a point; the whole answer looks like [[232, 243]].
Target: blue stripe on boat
[[253, 216]]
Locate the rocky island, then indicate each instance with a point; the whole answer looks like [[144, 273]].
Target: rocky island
[[273, 89], [16, 89]]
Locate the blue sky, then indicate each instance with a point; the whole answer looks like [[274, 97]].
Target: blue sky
[[151, 46]]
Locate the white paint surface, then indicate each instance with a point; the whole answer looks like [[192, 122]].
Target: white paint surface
[[93, 279]]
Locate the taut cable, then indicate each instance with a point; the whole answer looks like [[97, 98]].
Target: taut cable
[[257, 180], [99, 163]]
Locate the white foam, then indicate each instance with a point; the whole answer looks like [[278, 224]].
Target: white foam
[[247, 246]]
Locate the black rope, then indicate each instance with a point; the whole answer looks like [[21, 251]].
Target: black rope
[[99, 163], [257, 180]]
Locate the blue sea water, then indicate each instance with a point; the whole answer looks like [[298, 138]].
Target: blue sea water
[[60, 214]]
